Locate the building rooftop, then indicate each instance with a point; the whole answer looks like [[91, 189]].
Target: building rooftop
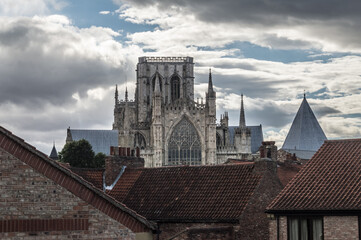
[[100, 140], [331, 180], [305, 132], [192, 193]]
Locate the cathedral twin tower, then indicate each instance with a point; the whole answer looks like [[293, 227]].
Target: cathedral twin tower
[[168, 126]]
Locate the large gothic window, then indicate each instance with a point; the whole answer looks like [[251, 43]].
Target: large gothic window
[[175, 87], [184, 146]]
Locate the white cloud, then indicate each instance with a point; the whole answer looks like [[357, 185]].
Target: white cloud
[[29, 7], [104, 12]]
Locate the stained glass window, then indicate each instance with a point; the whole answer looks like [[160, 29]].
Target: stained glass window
[[184, 146]]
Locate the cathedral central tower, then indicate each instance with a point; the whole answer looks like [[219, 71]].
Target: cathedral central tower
[[164, 121]]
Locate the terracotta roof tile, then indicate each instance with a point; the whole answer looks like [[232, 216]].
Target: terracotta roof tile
[[331, 180], [287, 171], [94, 176], [193, 192], [125, 183]]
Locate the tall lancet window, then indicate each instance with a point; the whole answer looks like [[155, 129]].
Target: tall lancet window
[[184, 146], [160, 83], [175, 87]]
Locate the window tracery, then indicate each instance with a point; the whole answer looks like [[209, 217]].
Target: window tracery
[[184, 146]]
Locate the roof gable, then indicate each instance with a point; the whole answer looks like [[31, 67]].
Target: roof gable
[[72, 182], [305, 132], [331, 180]]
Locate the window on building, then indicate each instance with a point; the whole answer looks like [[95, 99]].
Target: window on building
[[305, 228], [139, 141], [175, 88], [160, 83], [184, 147]]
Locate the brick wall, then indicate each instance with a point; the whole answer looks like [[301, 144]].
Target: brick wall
[[282, 228], [36, 200], [194, 231], [254, 223], [340, 227]]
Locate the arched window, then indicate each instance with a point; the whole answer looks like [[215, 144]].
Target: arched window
[[139, 141], [175, 88], [218, 140], [160, 82], [184, 147]]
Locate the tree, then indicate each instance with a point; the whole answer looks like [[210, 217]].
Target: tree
[[80, 154]]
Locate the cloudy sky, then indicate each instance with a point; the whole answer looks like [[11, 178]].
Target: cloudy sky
[[60, 60]]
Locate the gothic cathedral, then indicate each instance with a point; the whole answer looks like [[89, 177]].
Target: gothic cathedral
[[168, 126]]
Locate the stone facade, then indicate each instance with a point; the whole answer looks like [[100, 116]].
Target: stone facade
[[30, 197], [167, 124]]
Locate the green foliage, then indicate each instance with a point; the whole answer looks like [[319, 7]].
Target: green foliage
[[80, 154], [99, 160]]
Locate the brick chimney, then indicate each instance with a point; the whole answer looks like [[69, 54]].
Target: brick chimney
[[268, 150], [118, 158]]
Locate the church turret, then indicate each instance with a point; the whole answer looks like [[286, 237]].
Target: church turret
[[54, 154], [211, 122], [116, 94], [126, 94], [242, 119], [242, 137]]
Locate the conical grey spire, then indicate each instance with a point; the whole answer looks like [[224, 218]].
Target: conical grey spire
[[305, 132], [242, 119], [54, 153]]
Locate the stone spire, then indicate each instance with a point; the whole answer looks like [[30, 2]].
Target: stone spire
[[305, 132], [242, 119], [126, 94], [116, 94], [157, 87], [210, 85]]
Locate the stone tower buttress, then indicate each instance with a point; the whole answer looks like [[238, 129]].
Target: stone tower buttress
[[211, 156], [157, 125]]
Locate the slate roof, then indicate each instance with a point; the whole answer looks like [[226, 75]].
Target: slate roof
[[256, 136], [305, 132], [54, 154], [331, 180], [75, 184], [192, 193], [101, 140]]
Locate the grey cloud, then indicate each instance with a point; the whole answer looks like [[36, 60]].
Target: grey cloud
[[331, 20], [36, 70]]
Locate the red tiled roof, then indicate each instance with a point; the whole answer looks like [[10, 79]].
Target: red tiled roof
[[331, 180], [191, 193], [72, 182], [94, 176], [287, 171], [125, 183]]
